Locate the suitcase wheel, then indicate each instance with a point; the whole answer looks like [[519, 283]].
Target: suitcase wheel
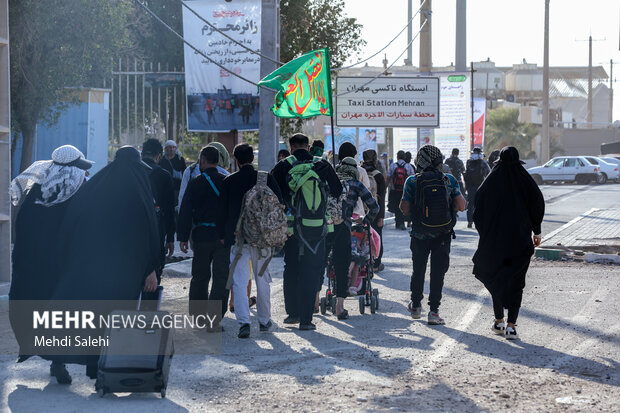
[[162, 392], [100, 392]]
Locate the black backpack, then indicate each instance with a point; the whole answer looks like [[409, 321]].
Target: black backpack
[[432, 211], [473, 173]]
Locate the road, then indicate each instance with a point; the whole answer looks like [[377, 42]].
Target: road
[[567, 358]]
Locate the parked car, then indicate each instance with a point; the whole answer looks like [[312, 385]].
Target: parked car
[[607, 171], [566, 169], [613, 161]]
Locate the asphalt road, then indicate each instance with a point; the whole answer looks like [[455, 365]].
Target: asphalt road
[[567, 358]]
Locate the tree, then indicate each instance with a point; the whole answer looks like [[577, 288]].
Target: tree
[[504, 129], [55, 45], [308, 25]]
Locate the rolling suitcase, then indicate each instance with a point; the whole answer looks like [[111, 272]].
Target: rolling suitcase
[[137, 359]]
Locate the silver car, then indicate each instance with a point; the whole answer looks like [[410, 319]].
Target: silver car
[[566, 169]]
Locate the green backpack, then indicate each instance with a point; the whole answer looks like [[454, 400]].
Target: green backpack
[[309, 202]]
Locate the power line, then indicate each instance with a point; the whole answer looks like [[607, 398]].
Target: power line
[[385, 47], [227, 36], [390, 66], [195, 49], [282, 63]]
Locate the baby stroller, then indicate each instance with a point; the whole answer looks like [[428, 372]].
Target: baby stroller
[[361, 255]]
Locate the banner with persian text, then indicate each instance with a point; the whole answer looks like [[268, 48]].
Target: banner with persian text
[[480, 108], [455, 113], [216, 99], [392, 101]]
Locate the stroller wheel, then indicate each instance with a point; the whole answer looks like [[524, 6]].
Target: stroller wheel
[[362, 302], [375, 293], [373, 304], [333, 304], [323, 305]]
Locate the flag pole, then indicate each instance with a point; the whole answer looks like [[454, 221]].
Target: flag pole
[[331, 105], [333, 140]]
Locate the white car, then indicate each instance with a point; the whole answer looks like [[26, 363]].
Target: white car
[[566, 169], [615, 162]]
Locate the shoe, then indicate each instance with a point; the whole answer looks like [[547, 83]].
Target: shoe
[[499, 329], [59, 370], [265, 327], [344, 315], [307, 327], [469, 225], [231, 309], [379, 268], [244, 331], [434, 319], [252, 301], [511, 333], [416, 312], [92, 370], [291, 320]]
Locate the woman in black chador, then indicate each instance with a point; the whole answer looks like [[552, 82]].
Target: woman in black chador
[[43, 192], [110, 238], [509, 208]]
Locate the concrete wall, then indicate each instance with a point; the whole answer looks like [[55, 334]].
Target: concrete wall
[[5, 146], [584, 141]]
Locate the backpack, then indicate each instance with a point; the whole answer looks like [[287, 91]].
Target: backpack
[[262, 222], [309, 202], [473, 173], [373, 183], [399, 177], [432, 211], [334, 205]]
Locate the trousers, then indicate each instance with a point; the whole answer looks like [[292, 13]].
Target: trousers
[[439, 251], [241, 276]]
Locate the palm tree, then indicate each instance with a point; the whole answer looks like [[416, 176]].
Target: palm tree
[[504, 129]]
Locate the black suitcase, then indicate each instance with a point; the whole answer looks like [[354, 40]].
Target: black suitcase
[[137, 359]]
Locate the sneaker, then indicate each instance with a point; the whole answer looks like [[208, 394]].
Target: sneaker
[[499, 329], [307, 327], [511, 333], [59, 370], [244, 331], [379, 268], [434, 319], [416, 312], [291, 320], [469, 225], [265, 327]]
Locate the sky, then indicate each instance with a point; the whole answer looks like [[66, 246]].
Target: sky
[[507, 31]]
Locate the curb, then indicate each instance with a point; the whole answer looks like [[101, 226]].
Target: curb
[[550, 254]]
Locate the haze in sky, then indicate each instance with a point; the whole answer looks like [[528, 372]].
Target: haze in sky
[[504, 31]]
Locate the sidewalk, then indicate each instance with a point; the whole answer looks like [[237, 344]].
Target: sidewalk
[[595, 230]]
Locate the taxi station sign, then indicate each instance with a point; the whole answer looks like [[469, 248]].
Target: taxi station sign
[[387, 101]]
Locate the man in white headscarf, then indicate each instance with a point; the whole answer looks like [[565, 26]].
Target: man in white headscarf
[[43, 192]]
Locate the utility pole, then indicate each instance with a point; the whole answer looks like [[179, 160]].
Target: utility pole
[[426, 51], [589, 118], [268, 125], [545, 147], [460, 55], [611, 92], [409, 60]]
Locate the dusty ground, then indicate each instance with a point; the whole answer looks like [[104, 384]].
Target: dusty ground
[[567, 358]]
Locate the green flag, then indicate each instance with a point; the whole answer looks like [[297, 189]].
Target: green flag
[[304, 86]]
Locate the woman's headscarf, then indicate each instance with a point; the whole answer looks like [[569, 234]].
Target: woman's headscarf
[[60, 178], [224, 161], [347, 169], [370, 160]]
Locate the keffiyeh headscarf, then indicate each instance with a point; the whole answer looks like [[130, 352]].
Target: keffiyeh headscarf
[[59, 179], [224, 161], [347, 169], [428, 156]]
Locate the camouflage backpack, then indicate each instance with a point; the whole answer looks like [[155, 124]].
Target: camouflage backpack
[[262, 222], [334, 205]]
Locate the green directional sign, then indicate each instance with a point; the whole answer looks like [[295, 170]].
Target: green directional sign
[[457, 78]]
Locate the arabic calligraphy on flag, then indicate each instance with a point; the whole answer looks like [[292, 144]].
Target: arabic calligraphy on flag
[[303, 86]]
